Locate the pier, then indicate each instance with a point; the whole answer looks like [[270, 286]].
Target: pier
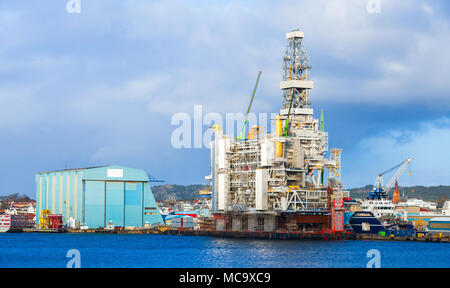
[[320, 236]]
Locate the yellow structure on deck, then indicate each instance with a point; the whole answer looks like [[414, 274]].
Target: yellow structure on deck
[[43, 219], [254, 132], [204, 192], [278, 133]]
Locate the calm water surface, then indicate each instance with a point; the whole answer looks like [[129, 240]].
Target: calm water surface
[[101, 250]]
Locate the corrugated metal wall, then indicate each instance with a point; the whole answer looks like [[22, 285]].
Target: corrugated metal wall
[[95, 196], [94, 204], [59, 192]]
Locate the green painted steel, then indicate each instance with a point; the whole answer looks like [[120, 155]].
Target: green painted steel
[[95, 196], [243, 136], [322, 121]]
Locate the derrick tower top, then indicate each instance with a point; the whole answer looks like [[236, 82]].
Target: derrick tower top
[[295, 83]]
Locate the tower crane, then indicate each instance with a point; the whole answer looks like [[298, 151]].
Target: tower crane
[[379, 191]]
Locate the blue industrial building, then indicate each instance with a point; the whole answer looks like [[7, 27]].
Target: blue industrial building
[[95, 196]]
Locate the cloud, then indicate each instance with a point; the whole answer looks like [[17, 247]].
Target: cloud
[[396, 57], [15, 103], [427, 144], [101, 86], [210, 53]]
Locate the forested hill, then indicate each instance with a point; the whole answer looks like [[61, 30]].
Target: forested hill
[[177, 192], [434, 193]]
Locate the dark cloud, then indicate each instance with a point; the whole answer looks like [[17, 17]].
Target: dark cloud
[[100, 87]]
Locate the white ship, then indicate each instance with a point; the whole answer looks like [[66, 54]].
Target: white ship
[[419, 203], [15, 222], [187, 207], [379, 207], [164, 211]]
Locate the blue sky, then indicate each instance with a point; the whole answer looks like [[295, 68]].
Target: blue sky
[[100, 87]]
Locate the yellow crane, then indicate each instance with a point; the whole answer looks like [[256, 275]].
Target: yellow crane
[[44, 221]]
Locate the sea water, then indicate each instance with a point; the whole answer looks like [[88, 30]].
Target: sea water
[[111, 250]]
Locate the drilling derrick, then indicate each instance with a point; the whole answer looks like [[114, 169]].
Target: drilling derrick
[[276, 181], [295, 84]]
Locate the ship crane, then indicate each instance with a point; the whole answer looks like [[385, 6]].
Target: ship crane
[[379, 191], [242, 136]]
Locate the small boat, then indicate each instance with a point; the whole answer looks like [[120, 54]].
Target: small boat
[[365, 222]]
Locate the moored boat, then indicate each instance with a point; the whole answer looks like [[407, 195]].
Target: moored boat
[[15, 223], [365, 222]]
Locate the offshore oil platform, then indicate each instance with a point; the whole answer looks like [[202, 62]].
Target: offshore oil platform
[[284, 181]]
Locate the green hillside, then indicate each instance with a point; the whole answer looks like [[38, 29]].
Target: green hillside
[[434, 193], [177, 192]]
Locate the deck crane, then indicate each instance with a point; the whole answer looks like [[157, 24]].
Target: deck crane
[[242, 135], [379, 191]]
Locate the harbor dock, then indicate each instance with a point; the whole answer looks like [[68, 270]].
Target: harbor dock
[[282, 235]]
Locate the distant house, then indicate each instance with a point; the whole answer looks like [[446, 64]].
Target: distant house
[[21, 208]]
